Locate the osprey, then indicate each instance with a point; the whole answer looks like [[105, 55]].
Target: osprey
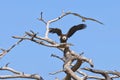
[[64, 37]]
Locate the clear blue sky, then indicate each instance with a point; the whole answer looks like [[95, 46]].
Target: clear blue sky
[[98, 42]]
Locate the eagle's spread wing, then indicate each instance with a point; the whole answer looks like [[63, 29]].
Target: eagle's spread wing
[[55, 30], [74, 29]]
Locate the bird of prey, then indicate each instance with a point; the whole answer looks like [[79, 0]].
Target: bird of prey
[[64, 37]]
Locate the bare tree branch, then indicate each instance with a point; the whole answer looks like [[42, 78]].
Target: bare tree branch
[[60, 17], [41, 18], [104, 73], [80, 57], [53, 73], [4, 52], [17, 74], [43, 42], [69, 71], [53, 55], [83, 18]]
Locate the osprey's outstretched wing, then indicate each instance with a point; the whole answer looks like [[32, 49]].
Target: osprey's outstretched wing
[[74, 29], [55, 30]]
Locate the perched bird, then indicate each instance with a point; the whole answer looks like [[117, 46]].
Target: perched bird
[[64, 37]]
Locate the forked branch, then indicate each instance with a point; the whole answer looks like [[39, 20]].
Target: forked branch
[[17, 74], [60, 17], [106, 74], [4, 52]]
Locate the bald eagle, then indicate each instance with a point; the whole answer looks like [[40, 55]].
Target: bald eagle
[[64, 37]]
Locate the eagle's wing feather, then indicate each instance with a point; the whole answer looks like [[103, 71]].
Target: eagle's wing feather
[[74, 29], [55, 30]]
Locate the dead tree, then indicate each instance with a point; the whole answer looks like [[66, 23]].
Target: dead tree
[[68, 58]]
